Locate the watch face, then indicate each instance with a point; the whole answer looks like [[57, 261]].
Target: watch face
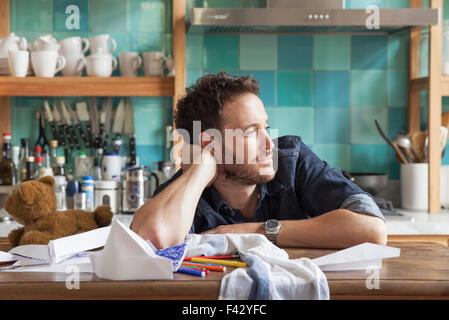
[[272, 224]]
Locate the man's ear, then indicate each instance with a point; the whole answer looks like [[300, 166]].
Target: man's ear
[[48, 180], [27, 193]]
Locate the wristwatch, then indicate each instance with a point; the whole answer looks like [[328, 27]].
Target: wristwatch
[[272, 228]]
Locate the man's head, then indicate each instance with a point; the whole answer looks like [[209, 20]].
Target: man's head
[[227, 111]]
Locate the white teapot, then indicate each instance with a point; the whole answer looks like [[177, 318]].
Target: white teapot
[[45, 43], [11, 43]]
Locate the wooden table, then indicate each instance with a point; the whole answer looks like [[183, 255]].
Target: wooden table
[[421, 272]]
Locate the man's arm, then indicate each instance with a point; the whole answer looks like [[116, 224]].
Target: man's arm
[[166, 219], [337, 229]]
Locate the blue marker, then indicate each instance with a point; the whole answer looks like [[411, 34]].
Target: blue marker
[[193, 272]]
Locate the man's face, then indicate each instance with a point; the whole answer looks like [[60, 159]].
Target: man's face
[[247, 149]]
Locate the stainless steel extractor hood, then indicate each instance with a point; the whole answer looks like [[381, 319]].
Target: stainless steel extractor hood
[[298, 16]]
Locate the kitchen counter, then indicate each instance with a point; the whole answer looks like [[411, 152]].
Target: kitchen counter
[[413, 223]]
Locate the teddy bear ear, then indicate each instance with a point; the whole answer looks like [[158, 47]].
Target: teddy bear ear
[[48, 180], [27, 192]]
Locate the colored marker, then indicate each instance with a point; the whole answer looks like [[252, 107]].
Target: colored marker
[[221, 262], [192, 272], [195, 268], [208, 267], [229, 256]]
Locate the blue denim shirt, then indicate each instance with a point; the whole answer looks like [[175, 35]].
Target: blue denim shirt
[[304, 187]]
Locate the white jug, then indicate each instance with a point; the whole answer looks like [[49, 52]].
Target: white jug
[[11, 43], [45, 43]]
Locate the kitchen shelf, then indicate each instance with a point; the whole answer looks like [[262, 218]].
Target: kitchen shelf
[[86, 86], [422, 84]]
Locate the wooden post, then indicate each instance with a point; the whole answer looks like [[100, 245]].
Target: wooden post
[[434, 151], [5, 102], [179, 55]]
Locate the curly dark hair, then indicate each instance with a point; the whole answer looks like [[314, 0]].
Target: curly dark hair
[[205, 99]]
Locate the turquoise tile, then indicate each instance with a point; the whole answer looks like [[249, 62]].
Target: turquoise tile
[[257, 52], [294, 88], [369, 52], [192, 76], [369, 88], [398, 51], [394, 167], [331, 89], [108, 15], [337, 155], [169, 44], [150, 125], [168, 16], [362, 4], [148, 41], [332, 125], [221, 4], [253, 3], [24, 123], [295, 52], [369, 158], [363, 129], [445, 160], [194, 52], [272, 117], [296, 121], [397, 121], [221, 52], [148, 154], [398, 89], [332, 52], [142, 103], [76, 20], [147, 15], [36, 15], [267, 84], [398, 4]]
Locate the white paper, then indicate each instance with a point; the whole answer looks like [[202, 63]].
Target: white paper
[[361, 257], [64, 248], [7, 257], [126, 256], [82, 265]]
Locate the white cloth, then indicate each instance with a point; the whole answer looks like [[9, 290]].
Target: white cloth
[[269, 266]]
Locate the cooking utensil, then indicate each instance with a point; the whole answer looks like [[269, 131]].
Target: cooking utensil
[[118, 122], [73, 140], [392, 144], [418, 141], [129, 131], [107, 123], [405, 144], [51, 120], [59, 122], [443, 141], [83, 115], [93, 114], [67, 134], [41, 139], [77, 124]]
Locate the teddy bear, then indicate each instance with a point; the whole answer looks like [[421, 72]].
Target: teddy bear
[[33, 204]]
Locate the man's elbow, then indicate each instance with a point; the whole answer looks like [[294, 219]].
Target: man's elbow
[[378, 232]]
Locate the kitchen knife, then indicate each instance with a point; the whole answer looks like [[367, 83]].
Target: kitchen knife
[[83, 115], [107, 123], [77, 124], [118, 121], [67, 134], [58, 120], [102, 120], [51, 120], [93, 114], [129, 131], [70, 131]]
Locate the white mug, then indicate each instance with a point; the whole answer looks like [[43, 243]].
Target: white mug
[[130, 62], [47, 63], [74, 46], [18, 62], [102, 41], [45, 43], [74, 65], [100, 66], [152, 63], [11, 43]]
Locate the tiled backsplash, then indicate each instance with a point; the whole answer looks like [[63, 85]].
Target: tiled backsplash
[[326, 88]]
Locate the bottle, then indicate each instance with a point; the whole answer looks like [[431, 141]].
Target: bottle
[[46, 170], [29, 168], [7, 168], [98, 160], [53, 154], [87, 187], [39, 165], [60, 192], [68, 163], [83, 165], [37, 151], [60, 168], [24, 153], [15, 154]]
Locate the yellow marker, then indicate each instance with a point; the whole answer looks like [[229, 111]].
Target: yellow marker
[[221, 262]]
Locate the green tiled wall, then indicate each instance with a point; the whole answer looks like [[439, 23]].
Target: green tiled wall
[[326, 88]]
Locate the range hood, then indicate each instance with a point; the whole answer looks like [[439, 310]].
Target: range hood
[[300, 16]]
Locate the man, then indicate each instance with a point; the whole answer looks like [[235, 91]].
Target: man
[[304, 203]]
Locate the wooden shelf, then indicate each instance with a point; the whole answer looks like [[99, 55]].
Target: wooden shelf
[[86, 86], [421, 84]]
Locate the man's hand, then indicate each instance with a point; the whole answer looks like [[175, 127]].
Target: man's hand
[[201, 159], [252, 227]]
